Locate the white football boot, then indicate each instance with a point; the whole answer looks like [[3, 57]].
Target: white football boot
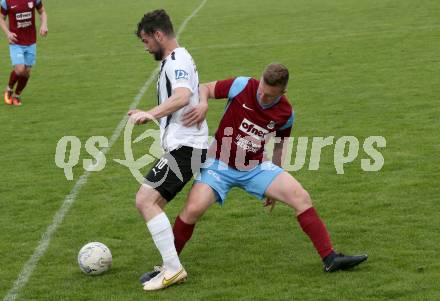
[[166, 278]]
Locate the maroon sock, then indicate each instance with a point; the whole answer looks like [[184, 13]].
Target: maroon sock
[[182, 233], [13, 78], [316, 230], [22, 81]]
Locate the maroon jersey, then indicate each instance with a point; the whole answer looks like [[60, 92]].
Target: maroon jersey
[[246, 124], [21, 14]]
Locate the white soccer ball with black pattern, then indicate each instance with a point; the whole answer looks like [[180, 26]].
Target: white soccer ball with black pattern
[[94, 258]]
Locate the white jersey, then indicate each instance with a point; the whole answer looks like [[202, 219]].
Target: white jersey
[[179, 70]]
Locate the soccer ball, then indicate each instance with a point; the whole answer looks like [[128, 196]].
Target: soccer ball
[[94, 258]]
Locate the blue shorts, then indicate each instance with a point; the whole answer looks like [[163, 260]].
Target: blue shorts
[[23, 55], [221, 178]]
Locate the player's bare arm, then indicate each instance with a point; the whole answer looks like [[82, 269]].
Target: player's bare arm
[[178, 100], [12, 37], [197, 114], [43, 19]]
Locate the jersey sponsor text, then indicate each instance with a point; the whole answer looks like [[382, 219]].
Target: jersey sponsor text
[[252, 129], [23, 16]]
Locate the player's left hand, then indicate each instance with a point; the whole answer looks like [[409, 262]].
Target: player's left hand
[[140, 117], [269, 202], [43, 31], [195, 115]]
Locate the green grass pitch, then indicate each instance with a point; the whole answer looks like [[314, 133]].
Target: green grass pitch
[[360, 68]]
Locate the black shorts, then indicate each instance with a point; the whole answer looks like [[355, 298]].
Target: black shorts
[[174, 169]]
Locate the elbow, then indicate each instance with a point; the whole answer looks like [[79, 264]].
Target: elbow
[[204, 90], [185, 101], [203, 87], [181, 98]]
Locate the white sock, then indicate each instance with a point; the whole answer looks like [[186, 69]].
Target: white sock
[[162, 234]]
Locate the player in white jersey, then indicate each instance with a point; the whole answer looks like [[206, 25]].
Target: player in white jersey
[[178, 70], [185, 147]]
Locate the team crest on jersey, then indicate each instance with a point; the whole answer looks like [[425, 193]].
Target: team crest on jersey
[[31, 4], [271, 125], [181, 74]]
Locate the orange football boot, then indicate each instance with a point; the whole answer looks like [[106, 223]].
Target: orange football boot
[[16, 101], [8, 97]]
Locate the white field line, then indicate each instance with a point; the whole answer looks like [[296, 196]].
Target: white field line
[[30, 265]]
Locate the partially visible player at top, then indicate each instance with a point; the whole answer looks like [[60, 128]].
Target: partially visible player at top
[[22, 38]]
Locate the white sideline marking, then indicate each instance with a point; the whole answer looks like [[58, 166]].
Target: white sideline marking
[[30, 265]]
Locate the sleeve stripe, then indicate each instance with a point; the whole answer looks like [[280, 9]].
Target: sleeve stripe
[[168, 84], [289, 122], [237, 86]]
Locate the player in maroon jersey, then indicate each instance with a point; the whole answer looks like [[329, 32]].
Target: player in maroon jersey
[[256, 110], [22, 38]]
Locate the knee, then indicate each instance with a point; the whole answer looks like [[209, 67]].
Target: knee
[[21, 71], [304, 197], [191, 213], [142, 201], [139, 200], [302, 200]]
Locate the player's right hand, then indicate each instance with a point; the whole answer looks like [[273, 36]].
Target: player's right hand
[[269, 202], [43, 31], [133, 111], [140, 117], [12, 38]]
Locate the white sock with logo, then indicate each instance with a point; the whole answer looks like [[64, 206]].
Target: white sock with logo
[[163, 237]]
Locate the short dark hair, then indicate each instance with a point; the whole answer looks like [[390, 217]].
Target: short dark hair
[[155, 20], [276, 75]]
